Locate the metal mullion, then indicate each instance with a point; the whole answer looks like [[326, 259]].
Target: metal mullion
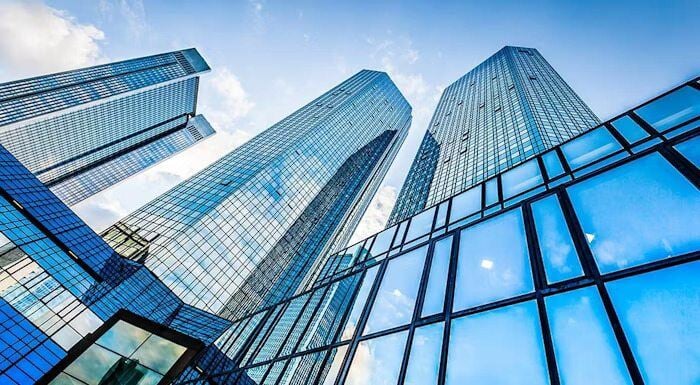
[[354, 341], [578, 234], [269, 330], [449, 299], [680, 163], [539, 277], [620, 139], [643, 124]]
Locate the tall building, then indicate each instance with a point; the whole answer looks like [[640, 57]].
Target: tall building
[[84, 130], [507, 109], [244, 232]]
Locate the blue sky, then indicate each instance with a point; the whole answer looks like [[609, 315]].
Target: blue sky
[[269, 58]]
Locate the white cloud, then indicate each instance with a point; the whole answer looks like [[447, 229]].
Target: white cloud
[[377, 214], [223, 100], [37, 39], [131, 15]]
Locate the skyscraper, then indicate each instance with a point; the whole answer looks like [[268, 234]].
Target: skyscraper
[[247, 229], [507, 109], [84, 130]]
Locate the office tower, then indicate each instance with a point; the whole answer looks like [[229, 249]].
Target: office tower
[[245, 231], [84, 130], [507, 109], [580, 265]]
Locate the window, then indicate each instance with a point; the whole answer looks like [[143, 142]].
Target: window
[[629, 129], [396, 297], [640, 212], [690, 150], [421, 224], [378, 360], [589, 147], [556, 246], [437, 280], [382, 241], [659, 312], [521, 178], [336, 358], [552, 164], [465, 204], [493, 262], [502, 346], [584, 344], [491, 191], [424, 358], [672, 109], [359, 304]]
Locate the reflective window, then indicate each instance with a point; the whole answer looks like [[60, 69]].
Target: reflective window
[[491, 191], [521, 178], [336, 359], [396, 297], [441, 215], [465, 204], [556, 246], [672, 109], [383, 241], [584, 344], [502, 346], [437, 280], [629, 129], [493, 262], [421, 224], [424, 359], [552, 164], [399, 234], [359, 303], [589, 147], [378, 360], [637, 213], [690, 150], [659, 313]]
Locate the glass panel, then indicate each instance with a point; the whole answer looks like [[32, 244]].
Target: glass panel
[[465, 204], [493, 262], [92, 365], [521, 178], [378, 361], [584, 344], [441, 215], [337, 355], [589, 147], [637, 213], [383, 241], [437, 281], [158, 354], [672, 109], [502, 346], [400, 233], [491, 191], [396, 297], [690, 150], [557, 247], [659, 312], [359, 303], [123, 338], [424, 360], [421, 224], [552, 164], [629, 129]]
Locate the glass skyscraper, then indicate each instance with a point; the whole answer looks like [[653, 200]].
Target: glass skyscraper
[[244, 232], [84, 130], [507, 109]]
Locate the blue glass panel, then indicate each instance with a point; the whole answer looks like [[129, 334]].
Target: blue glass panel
[[690, 150], [556, 246], [552, 164], [493, 262], [521, 178], [383, 241], [335, 360], [672, 109], [659, 312], [465, 204], [437, 280], [584, 344], [491, 191], [441, 215], [637, 213], [359, 303], [378, 360], [421, 224], [396, 297], [424, 359], [629, 129], [502, 346], [589, 147]]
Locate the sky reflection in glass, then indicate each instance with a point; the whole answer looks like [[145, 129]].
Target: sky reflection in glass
[[424, 359], [359, 304], [584, 344], [638, 213], [465, 204], [552, 164], [433, 301], [421, 224], [493, 262], [672, 109], [521, 178], [629, 129], [690, 150], [396, 297], [377, 361], [502, 346], [659, 312], [557, 247], [589, 147]]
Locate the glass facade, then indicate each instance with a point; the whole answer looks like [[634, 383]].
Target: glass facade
[[244, 232], [509, 108], [84, 130], [542, 285]]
